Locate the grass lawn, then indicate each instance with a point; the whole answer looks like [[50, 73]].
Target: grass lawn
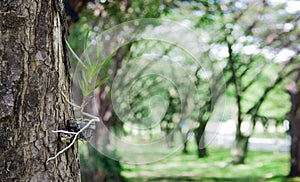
[[259, 166]]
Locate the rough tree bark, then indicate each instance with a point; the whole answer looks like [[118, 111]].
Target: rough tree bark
[[33, 72]]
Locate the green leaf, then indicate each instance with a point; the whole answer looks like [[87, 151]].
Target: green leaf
[[87, 92], [101, 82], [84, 77], [81, 85], [85, 52], [75, 55], [108, 58]]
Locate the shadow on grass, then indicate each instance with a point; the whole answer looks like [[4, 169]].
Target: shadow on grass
[[259, 167], [216, 179]]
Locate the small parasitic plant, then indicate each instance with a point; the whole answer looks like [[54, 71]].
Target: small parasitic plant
[[80, 128]]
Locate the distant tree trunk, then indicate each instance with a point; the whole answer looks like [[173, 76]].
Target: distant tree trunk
[[34, 71], [102, 106], [239, 149], [184, 136], [103, 103], [240, 146], [185, 140], [170, 131], [294, 117], [200, 140]]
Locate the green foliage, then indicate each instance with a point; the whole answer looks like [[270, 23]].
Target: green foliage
[[100, 16], [242, 24], [277, 104], [88, 70]]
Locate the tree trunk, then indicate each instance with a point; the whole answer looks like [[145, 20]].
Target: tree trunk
[[201, 146], [294, 117], [33, 73], [295, 156], [239, 148], [200, 140], [184, 136]]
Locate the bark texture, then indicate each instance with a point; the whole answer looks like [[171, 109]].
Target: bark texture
[[33, 72]]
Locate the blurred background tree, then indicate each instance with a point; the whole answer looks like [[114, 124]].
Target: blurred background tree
[[253, 54]]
